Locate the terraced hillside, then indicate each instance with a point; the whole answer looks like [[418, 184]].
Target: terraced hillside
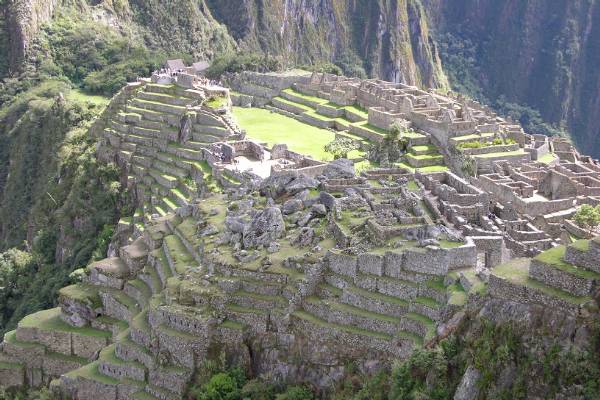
[[143, 133], [349, 121], [563, 277]]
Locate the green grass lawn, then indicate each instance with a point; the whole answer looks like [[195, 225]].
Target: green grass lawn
[[547, 158], [81, 96], [425, 170], [519, 152], [272, 128]]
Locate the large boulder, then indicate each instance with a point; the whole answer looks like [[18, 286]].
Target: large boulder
[[339, 169], [468, 388], [274, 186], [267, 226], [300, 184], [292, 206]]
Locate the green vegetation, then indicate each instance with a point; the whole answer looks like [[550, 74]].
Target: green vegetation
[[475, 144], [340, 147], [215, 382], [547, 158], [236, 62], [587, 217], [271, 128], [216, 102], [464, 63], [94, 56], [517, 271], [554, 258]]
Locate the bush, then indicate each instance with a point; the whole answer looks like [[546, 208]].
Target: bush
[[111, 79], [324, 68], [238, 62], [587, 217], [296, 393], [220, 387], [340, 147], [258, 390]]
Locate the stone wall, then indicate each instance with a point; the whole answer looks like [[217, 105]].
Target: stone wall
[[503, 289], [557, 278]]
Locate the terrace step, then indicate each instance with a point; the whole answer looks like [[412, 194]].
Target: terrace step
[[425, 160], [146, 114], [424, 149], [305, 316], [119, 305], [165, 98], [143, 395], [217, 131], [170, 169], [259, 301], [162, 266], [551, 269], [160, 393], [134, 255], [297, 97], [257, 319], [418, 324], [165, 180], [344, 314], [128, 350], [158, 107], [111, 365], [178, 257], [374, 302], [290, 106], [512, 281], [585, 254], [138, 290], [150, 276]]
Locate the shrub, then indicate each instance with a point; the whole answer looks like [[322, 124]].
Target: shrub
[[296, 393], [587, 217], [258, 390], [238, 62], [475, 144], [340, 147], [221, 386]]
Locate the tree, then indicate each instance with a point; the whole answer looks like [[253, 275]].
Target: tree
[[258, 390], [396, 136], [340, 147], [587, 217], [296, 393], [221, 386]]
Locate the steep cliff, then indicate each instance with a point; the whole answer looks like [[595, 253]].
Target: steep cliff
[[24, 19], [541, 53], [391, 37]]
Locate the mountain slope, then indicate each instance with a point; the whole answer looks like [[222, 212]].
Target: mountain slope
[[390, 37], [544, 54]]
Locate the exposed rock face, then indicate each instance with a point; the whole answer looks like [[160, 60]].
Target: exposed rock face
[[468, 390], [25, 18], [390, 36], [339, 169], [266, 227]]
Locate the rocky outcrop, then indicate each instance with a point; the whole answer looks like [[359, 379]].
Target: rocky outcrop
[[25, 18]]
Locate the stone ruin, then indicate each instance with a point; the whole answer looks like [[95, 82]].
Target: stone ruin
[[288, 266]]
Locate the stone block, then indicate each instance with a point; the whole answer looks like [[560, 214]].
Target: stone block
[[87, 346], [393, 264], [342, 264], [369, 263]]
